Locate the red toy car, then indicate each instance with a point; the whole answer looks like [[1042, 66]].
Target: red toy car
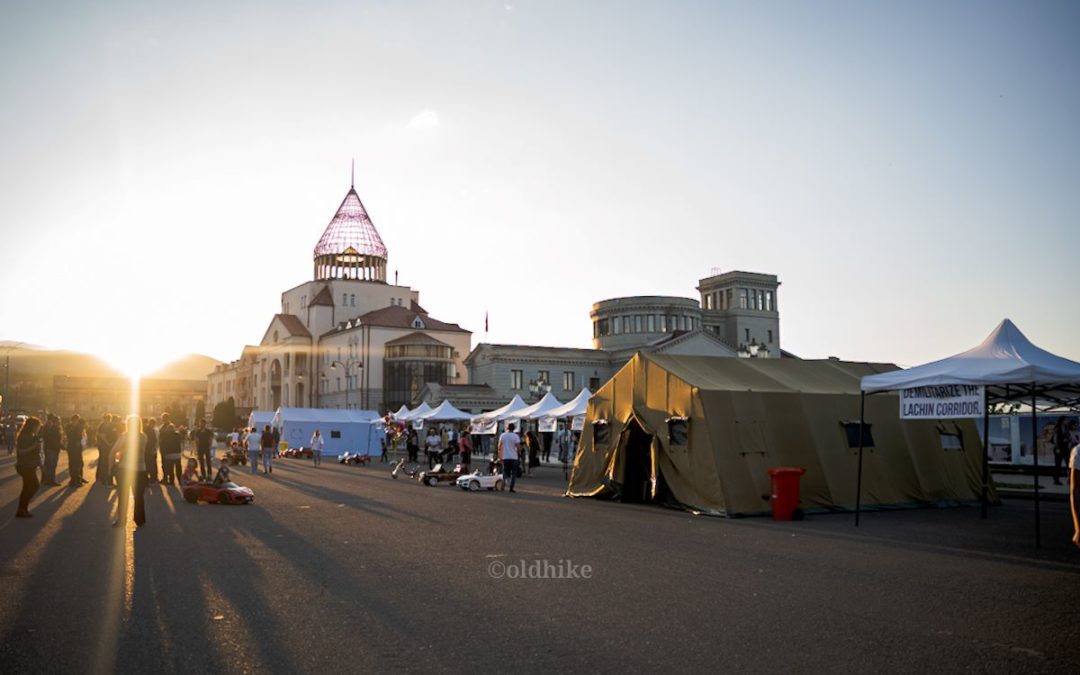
[[222, 493]]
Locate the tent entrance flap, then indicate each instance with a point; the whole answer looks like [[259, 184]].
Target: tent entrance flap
[[638, 472]]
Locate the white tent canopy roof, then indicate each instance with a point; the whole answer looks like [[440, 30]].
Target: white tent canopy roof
[[416, 412], [402, 412], [445, 412], [575, 407], [505, 412], [260, 418], [1005, 357], [539, 409]]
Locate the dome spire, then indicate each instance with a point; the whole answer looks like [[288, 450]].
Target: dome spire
[[350, 247]]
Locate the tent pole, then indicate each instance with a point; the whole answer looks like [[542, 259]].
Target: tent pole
[[986, 456], [1035, 458], [858, 480]]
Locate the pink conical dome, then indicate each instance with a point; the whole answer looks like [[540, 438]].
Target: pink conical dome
[[351, 228]]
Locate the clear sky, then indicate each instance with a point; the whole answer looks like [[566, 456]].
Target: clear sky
[[910, 171]]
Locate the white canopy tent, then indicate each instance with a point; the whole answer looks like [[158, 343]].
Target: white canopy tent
[[354, 431], [541, 408], [1010, 367], [416, 413], [445, 412], [402, 412], [505, 412], [575, 407]]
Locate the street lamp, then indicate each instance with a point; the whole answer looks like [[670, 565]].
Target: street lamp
[[348, 364]]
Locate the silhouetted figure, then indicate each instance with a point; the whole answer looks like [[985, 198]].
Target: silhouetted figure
[[73, 443], [27, 461], [131, 471], [52, 439]]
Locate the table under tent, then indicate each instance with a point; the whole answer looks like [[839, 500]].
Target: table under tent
[[1012, 370]]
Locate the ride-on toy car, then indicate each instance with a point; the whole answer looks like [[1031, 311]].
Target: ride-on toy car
[[439, 475], [354, 458], [475, 481], [221, 493]]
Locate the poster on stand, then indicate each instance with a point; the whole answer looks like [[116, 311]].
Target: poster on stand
[[578, 423], [547, 424]]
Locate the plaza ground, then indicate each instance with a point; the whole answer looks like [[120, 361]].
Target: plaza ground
[[342, 569]]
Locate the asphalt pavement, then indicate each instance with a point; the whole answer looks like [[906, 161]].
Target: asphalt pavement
[[344, 569]]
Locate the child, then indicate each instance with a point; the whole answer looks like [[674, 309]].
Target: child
[[222, 476], [191, 473]]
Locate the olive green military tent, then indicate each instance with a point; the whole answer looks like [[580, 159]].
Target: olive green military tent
[[701, 432]]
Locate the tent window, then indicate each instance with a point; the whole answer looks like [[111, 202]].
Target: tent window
[[678, 431], [601, 434], [852, 431], [335, 434], [951, 441]]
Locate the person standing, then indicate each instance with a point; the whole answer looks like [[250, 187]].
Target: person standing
[[431, 447], [252, 442], [73, 443], [1060, 439], [412, 445], [27, 461], [104, 438], [150, 429], [267, 445], [52, 439], [131, 471], [1074, 492], [171, 450], [465, 448], [532, 443], [276, 435], [317, 444], [204, 439], [509, 444]]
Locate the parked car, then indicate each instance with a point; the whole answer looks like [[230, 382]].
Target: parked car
[[476, 481]]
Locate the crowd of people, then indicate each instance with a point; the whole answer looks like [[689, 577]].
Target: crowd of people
[[133, 453]]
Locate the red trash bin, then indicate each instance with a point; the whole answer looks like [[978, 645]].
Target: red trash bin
[[785, 492]]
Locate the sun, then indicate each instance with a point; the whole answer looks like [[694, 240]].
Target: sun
[[134, 361]]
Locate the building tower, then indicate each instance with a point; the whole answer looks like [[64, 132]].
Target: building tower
[[740, 308], [350, 247]]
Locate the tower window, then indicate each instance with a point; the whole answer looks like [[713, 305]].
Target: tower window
[[747, 334], [352, 300], [516, 379], [770, 336], [743, 298], [344, 299]]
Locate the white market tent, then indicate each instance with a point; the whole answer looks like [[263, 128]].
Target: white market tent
[[505, 412], [402, 412], [1010, 367], [416, 413], [575, 407], [260, 418], [541, 408], [354, 431], [445, 412]]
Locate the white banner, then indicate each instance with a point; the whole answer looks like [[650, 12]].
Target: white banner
[[577, 423], [942, 401], [484, 427], [547, 424]]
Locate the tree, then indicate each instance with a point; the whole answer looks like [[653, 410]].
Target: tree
[[225, 414]]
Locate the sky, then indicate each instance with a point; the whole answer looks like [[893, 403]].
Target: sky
[[909, 170]]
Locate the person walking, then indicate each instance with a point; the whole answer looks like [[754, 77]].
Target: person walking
[[131, 472], [252, 441], [27, 461], [150, 429], [1060, 439], [52, 439], [266, 442], [170, 443], [465, 448], [73, 443], [509, 444], [317, 444], [1074, 492], [275, 434], [532, 443]]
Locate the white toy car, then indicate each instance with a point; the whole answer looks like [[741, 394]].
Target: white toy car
[[476, 481]]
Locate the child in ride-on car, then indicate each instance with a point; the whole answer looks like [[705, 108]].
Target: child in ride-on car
[[191, 473], [222, 476]]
